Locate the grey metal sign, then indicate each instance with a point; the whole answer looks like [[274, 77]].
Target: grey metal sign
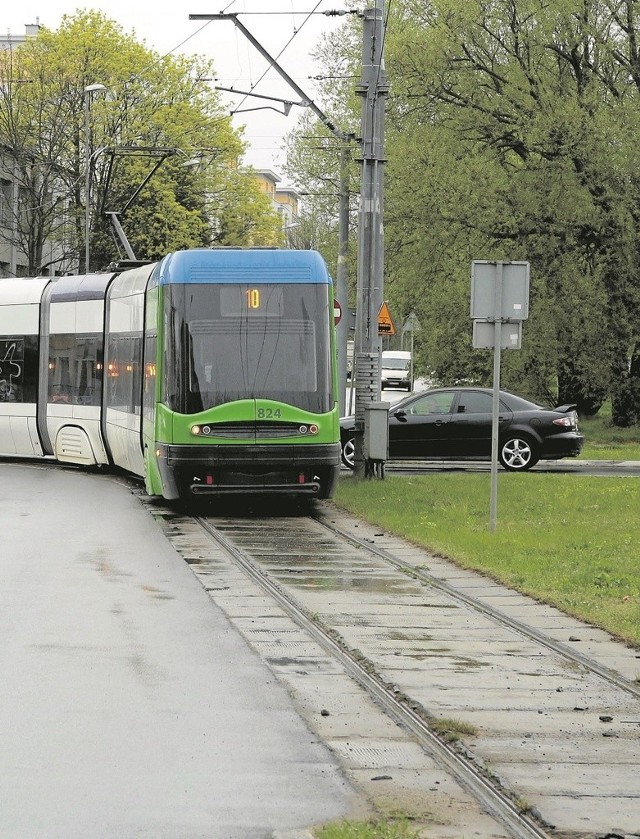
[[499, 304], [484, 333], [499, 290]]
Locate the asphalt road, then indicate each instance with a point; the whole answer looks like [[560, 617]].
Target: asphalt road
[[128, 707], [594, 468]]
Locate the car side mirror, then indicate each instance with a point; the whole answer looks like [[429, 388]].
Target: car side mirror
[[400, 413]]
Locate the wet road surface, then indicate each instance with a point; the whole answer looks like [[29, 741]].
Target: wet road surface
[[129, 706]]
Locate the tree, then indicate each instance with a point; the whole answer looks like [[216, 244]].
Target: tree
[[528, 107], [512, 134], [33, 150], [151, 102]]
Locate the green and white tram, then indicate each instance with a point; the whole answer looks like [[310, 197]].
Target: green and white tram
[[209, 372]]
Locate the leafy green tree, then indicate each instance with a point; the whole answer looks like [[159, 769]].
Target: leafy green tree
[[512, 134], [527, 106], [246, 215], [152, 102], [33, 150]]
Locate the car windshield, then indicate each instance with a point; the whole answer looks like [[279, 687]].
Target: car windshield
[[395, 363]]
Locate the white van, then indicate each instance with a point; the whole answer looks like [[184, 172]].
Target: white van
[[396, 369]]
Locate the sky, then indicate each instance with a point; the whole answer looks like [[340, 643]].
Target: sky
[[284, 28]]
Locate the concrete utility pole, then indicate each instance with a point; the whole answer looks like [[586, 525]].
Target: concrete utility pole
[[373, 89], [341, 291]]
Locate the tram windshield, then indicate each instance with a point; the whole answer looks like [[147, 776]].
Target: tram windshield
[[230, 342]]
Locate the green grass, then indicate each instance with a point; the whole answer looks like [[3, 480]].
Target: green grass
[[568, 540], [378, 829], [603, 441]]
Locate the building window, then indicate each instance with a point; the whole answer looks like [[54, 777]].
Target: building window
[[6, 195]]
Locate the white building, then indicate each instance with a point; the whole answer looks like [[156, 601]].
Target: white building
[[9, 41]]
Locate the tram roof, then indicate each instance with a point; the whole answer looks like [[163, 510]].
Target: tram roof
[[80, 287], [251, 265]]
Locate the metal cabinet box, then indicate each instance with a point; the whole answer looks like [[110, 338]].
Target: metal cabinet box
[[376, 431]]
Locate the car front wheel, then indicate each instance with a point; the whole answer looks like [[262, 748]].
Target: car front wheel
[[517, 454], [348, 451]]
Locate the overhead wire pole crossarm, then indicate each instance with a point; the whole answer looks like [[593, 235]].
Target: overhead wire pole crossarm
[[306, 101], [287, 103]]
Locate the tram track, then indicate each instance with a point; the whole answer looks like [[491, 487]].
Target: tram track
[[309, 565], [492, 799], [499, 617]]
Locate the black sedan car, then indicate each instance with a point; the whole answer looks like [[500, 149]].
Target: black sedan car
[[455, 424]]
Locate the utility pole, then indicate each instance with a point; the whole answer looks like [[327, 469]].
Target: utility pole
[[342, 293], [342, 331], [373, 88], [88, 93]]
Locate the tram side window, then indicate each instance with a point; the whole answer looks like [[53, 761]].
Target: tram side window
[[124, 386], [75, 369], [18, 368], [149, 387]]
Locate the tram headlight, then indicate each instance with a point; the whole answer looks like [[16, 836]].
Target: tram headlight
[[201, 430]]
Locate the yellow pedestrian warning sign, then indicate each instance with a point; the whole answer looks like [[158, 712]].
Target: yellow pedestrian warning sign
[[385, 321]]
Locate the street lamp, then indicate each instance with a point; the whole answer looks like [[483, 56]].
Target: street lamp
[[88, 92]]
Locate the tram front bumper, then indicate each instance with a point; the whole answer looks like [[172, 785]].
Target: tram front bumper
[[220, 469]]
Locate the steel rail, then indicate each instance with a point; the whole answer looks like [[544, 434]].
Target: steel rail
[[494, 801], [523, 629]]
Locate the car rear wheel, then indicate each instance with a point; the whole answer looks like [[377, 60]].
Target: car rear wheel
[[348, 451], [518, 453]]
